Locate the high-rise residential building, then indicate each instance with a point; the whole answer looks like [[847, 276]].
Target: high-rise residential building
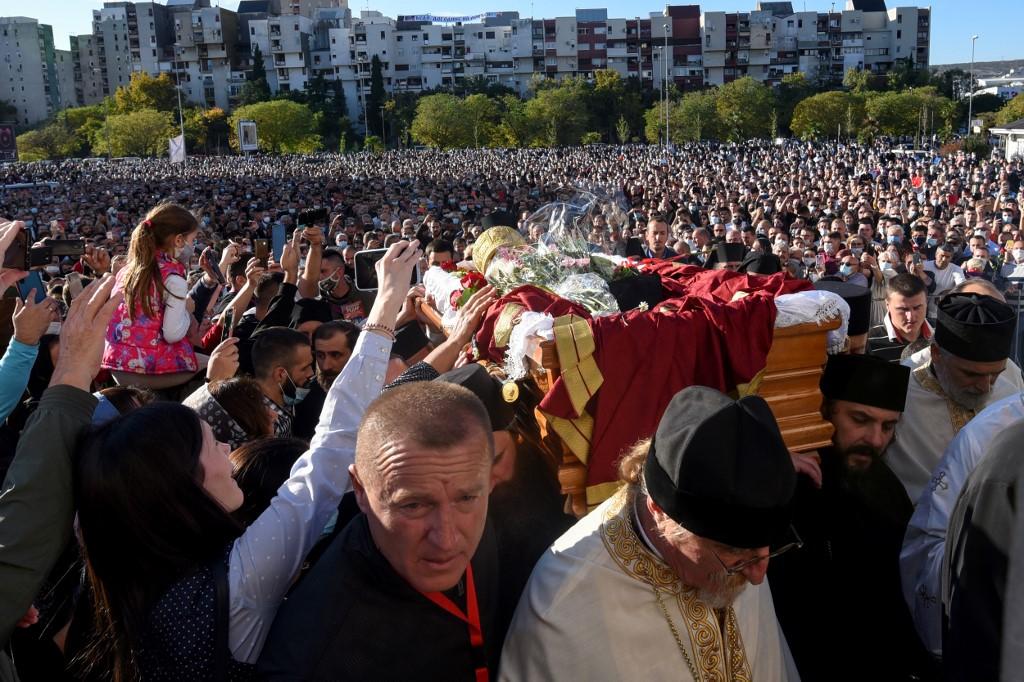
[[205, 58], [65, 64], [284, 42], [110, 42], [29, 77], [87, 73]]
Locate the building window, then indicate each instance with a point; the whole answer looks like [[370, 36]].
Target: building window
[[789, 24], [707, 41], [899, 34], [490, 35], [899, 18], [382, 35]]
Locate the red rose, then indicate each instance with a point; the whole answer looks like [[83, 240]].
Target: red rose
[[453, 300], [473, 280], [449, 266]]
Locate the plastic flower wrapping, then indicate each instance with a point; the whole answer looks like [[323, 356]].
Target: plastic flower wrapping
[[567, 259]]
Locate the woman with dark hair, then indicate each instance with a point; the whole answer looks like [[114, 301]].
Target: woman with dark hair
[[181, 591], [261, 466]]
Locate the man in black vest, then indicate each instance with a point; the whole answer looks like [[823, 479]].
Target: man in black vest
[[408, 590]]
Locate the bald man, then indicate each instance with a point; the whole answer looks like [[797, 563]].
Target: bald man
[[408, 590]]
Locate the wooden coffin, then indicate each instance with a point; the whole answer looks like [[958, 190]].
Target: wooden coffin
[[789, 385]]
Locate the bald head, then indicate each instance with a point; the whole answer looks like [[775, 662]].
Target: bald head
[[977, 285], [434, 415]]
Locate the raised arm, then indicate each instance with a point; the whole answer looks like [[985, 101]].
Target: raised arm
[[265, 560]]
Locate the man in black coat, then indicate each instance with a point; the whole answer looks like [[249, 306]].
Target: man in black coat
[[838, 597], [409, 589]]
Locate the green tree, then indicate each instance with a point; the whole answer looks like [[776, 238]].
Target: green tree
[[515, 129], [909, 112], [281, 126], [793, 89], [559, 114], [482, 116], [622, 130], [145, 92], [986, 102], [1011, 111], [440, 122], [694, 117], [52, 141], [377, 96], [139, 133], [206, 130], [745, 107], [610, 100], [904, 74], [823, 115], [401, 111], [256, 88]]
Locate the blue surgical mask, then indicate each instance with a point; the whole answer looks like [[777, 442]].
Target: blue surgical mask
[[299, 393], [895, 239], [931, 241], [846, 270], [857, 251]]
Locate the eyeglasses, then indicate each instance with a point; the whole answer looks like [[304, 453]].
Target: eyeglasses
[[736, 568]]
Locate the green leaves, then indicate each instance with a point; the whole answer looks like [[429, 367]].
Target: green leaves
[[282, 126]]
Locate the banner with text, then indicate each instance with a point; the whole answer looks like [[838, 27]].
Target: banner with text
[[439, 19], [8, 143]]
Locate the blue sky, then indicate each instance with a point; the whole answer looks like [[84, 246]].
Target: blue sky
[[997, 22]]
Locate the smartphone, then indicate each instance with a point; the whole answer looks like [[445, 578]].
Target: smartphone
[[262, 251], [33, 281], [278, 237], [366, 272], [16, 256], [212, 257], [916, 258], [819, 260]]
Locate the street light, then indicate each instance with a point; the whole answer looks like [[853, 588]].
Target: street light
[[361, 59], [970, 105], [181, 112], [383, 135], [664, 59]]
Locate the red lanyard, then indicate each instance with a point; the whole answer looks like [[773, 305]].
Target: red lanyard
[[472, 619]]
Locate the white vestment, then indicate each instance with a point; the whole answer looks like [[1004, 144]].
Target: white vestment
[[929, 423], [925, 543], [590, 612]]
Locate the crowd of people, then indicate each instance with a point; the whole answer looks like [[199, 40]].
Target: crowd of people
[[227, 463]]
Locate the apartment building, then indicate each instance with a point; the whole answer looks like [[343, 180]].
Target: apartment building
[[284, 42], [110, 43], [204, 56], [29, 76]]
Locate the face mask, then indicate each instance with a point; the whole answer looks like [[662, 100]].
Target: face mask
[[931, 241], [299, 393], [53, 270], [715, 220], [846, 270], [1018, 254], [1007, 218], [857, 251], [327, 285], [912, 214], [920, 241], [885, 265], [829, 248], [185, 253], [895, 239], [266, 220], [809, 261]]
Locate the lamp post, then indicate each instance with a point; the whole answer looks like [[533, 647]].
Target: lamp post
[[366, 121], [383, 135], [181, 111], [664, 59], [970, 84]]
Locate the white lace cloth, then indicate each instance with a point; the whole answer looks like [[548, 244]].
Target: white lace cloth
[[818, 307]]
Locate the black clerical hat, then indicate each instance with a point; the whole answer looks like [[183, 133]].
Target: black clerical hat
[[975, 327], [867, 380], [761, 264], [857, 297], [720, 469], [485, 387], [725, 253], [498, 219]]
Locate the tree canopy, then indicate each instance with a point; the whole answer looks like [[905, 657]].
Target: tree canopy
[[282, 126]]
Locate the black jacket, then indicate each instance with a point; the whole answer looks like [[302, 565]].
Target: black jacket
[[352, 617]]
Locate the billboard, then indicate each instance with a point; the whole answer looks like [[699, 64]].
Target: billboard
[[8, 143], [445, 19], [247, 141]]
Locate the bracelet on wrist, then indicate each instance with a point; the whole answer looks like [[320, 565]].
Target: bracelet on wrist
[[381, 329]]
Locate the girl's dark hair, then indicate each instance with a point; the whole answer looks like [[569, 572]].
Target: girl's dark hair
[[261, 466], [142, 270], [145, 522], [242, 398]]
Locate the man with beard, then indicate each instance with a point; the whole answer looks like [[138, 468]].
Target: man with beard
[[337, 288], [332, 345], [655, 582], [964, 372], [851, 523]]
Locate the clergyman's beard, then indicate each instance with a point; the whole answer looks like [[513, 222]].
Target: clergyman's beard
[[723, 589], [965, 398], [859, 458], [325, 379]]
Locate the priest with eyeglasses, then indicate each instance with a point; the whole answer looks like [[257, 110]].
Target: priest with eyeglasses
[[666, 579]]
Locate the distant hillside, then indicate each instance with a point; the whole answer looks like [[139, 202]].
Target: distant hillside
[[984, 69]]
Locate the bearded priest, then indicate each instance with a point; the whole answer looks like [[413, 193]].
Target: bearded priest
[[666, 579]]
